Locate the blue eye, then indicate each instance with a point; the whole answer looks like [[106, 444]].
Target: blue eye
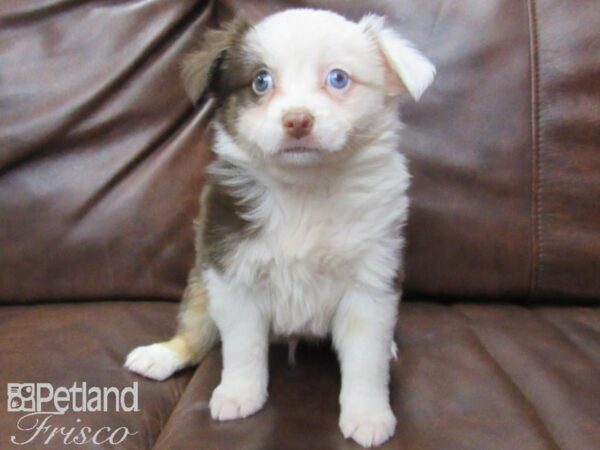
[[263, 82], [338, 79]]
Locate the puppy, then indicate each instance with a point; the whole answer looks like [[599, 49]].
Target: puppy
[[300, 229]]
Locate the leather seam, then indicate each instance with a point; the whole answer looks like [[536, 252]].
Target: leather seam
[[535, 193]]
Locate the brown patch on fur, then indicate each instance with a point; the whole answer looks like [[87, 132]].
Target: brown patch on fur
[[237, 70], [202, 70], [228, 113], [224, 68], [234, 88], [221, 225]]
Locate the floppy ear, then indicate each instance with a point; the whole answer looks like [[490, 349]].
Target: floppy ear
[[407, 69], [200, 69]]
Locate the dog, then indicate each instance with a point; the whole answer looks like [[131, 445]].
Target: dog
[[300, 233]]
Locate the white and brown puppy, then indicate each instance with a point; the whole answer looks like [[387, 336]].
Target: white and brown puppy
[[301, 221]]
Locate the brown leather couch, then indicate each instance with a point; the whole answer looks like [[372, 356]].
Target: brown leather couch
[[101, 158]]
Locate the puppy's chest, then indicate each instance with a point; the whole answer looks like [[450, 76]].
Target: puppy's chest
[[299, 265], [306, 250], [308, 238]]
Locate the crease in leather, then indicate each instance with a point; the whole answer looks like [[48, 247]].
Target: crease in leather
[[110, 88], [536, 205], [436, 16], [155, 144], [197, 370], [199, 119], [19, 18], [566, 338], [163, 415], [520, 394], [166, 417], [130, 166]]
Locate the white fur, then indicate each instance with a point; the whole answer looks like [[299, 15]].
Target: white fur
[[245, 335], [155, 361], [328, 224], [415, 71]]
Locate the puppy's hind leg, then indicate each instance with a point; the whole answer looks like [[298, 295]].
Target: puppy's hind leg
[[196, 335]]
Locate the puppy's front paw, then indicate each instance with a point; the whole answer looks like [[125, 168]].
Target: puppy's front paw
[[368, 429], [236, 402], [154, 361]]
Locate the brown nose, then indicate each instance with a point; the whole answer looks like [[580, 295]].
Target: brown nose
[[298, 123]]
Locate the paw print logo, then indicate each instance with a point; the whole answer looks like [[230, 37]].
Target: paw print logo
[[21, 397]]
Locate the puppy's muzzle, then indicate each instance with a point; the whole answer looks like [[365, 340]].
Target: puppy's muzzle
[[298, 123]]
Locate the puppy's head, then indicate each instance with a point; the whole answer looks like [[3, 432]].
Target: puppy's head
[[303, 86]]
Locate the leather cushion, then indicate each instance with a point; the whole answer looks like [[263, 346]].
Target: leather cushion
[[469, 376]]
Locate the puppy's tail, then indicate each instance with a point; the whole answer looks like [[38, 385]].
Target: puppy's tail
[[196, 335]]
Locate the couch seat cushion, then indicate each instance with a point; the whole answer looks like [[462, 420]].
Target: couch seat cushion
[[468, 377]]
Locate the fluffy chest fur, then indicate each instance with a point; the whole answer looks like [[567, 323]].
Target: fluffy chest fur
[[297, 249]]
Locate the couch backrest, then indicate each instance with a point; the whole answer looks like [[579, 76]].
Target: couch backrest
[[101, 154]]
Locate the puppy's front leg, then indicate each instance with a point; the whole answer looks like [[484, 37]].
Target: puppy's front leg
[[363, 336], [244, 336]]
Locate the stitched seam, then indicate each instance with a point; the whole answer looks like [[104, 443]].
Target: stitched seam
[[536, 204]]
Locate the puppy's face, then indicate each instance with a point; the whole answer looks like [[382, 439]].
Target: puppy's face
[[304, 86]]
